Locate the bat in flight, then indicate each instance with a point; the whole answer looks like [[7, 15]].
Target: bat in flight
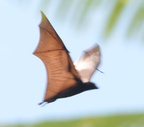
[[64, 79]]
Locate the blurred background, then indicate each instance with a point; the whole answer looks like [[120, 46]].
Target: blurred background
[[116, 25]]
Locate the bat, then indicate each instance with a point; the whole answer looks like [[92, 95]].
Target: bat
[[64, 79]]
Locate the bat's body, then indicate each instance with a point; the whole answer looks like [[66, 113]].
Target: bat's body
[[76, 89], [64, 79]]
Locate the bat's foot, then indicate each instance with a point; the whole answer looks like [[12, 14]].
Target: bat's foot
[[100, 71], [42, 103]]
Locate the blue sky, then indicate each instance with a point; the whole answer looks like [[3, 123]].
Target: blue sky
[[23, 76]]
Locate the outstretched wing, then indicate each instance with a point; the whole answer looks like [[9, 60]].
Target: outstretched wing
[[51, 50], [88, 63]]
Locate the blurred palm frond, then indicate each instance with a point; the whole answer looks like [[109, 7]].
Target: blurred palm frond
[[77, 11], [114, 16], [137, 22]]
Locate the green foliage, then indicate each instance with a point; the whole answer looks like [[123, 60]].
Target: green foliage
[[136, 120], [112, 121], [137, 22], [78, 12], [80, 9], [83, 7], [64, 5], [114, 16], [45, 4]]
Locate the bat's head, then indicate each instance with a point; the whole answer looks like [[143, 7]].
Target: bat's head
[[90, 86]]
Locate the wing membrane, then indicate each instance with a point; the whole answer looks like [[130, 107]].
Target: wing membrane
[[51, 50], [88, 63]]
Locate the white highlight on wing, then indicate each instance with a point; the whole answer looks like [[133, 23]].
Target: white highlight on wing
[[88, 63]]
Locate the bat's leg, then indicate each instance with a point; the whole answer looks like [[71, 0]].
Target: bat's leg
[[46, 101], [42, 103], [100, 71]]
